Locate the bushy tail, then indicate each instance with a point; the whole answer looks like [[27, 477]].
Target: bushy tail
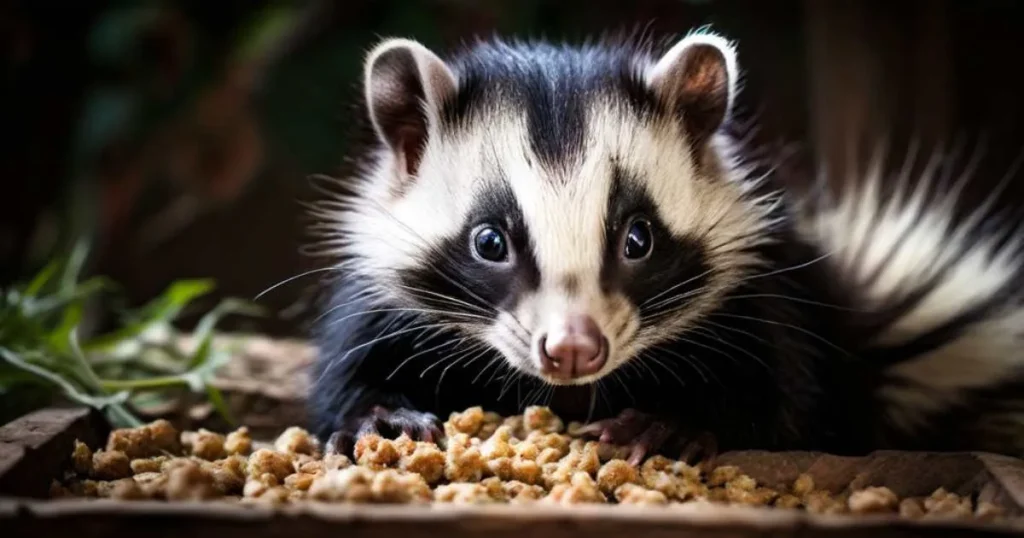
[[935, 282]]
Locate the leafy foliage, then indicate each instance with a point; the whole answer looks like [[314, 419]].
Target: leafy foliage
[[42, 354]]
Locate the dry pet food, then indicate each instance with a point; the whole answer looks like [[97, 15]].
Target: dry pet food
[[484, 458]]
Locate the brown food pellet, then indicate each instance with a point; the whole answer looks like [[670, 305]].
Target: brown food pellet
[[614, 474], [486, 458], [911, 508], [81, 458], [467, 422], [146, 441], [873, 500], [266, 461], [111, 465], [295, 440], [204, 444], [634, 494], [238, 442], [463, 493], [148, 465], [190, 482], [375, 451]]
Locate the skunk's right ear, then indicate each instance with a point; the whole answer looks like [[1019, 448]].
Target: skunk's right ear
[[405, 86], [697, 80]]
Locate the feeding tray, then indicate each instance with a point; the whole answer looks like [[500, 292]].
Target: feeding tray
[[35, 448]]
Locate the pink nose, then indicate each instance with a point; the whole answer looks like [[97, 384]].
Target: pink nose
[[574, 348]]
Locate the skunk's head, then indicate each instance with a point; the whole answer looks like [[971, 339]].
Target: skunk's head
[[570, 207]]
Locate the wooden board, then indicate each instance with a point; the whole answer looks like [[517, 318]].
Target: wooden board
[[34, 448]]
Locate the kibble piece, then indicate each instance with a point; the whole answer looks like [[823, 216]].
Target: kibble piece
[[725, 473], [630, 493], [299, 481], [111, 465], [788, 501], [742, 483], [803, 485], [822, 502], [336, 461], [580, 489], [81, 458], [538, 418], [463, 493], [614, 474], [526, 450], [467, 422], [146, 441], [873, 500], [426, 460], [518, 492], [148, 465], [376, 452], [84, 488], [551, 440], [548, 455], [463, 464], [255, 488], [351, 484], [266, 461], [912, 508], [492, 421], [128, 490], [752, 497], [498, 445], [945, 504], [229, 474], [190, 482], [295, 440], [391, 486], [238, 442], [204, 444]]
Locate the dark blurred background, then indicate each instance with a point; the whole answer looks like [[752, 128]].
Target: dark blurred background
[[178, 135]]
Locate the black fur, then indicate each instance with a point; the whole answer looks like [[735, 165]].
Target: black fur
[[554, 85]]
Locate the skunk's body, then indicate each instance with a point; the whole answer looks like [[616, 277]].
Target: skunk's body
[[514, 184]]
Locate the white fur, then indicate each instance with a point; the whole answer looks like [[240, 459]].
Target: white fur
[[908, 239]]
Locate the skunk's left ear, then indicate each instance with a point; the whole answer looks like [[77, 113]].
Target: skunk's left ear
[[696, 78]]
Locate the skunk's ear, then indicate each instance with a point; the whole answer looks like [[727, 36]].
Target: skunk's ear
[[405, 86], [696, 79]]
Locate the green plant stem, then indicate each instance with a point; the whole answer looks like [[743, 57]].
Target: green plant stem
[[142, 384]]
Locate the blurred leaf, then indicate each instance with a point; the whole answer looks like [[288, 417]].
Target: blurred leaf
[[160, 311], [268, 28], [40, 281], [69, 389]]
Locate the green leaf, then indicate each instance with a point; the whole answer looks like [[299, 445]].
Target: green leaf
[[41, 280], [60, 337], [76, 261], [161, 310], [269, 27], [217, 399], [69, 388], [203, 331]]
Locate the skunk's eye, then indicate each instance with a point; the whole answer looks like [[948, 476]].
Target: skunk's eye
[[639, 240], [490, 244]]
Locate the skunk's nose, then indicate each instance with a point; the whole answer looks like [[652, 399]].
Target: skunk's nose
[[573, 348]]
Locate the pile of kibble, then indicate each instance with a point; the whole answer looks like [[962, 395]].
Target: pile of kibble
[[485, 458]]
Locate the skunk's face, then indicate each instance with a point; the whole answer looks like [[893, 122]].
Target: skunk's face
[[565, 207]]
